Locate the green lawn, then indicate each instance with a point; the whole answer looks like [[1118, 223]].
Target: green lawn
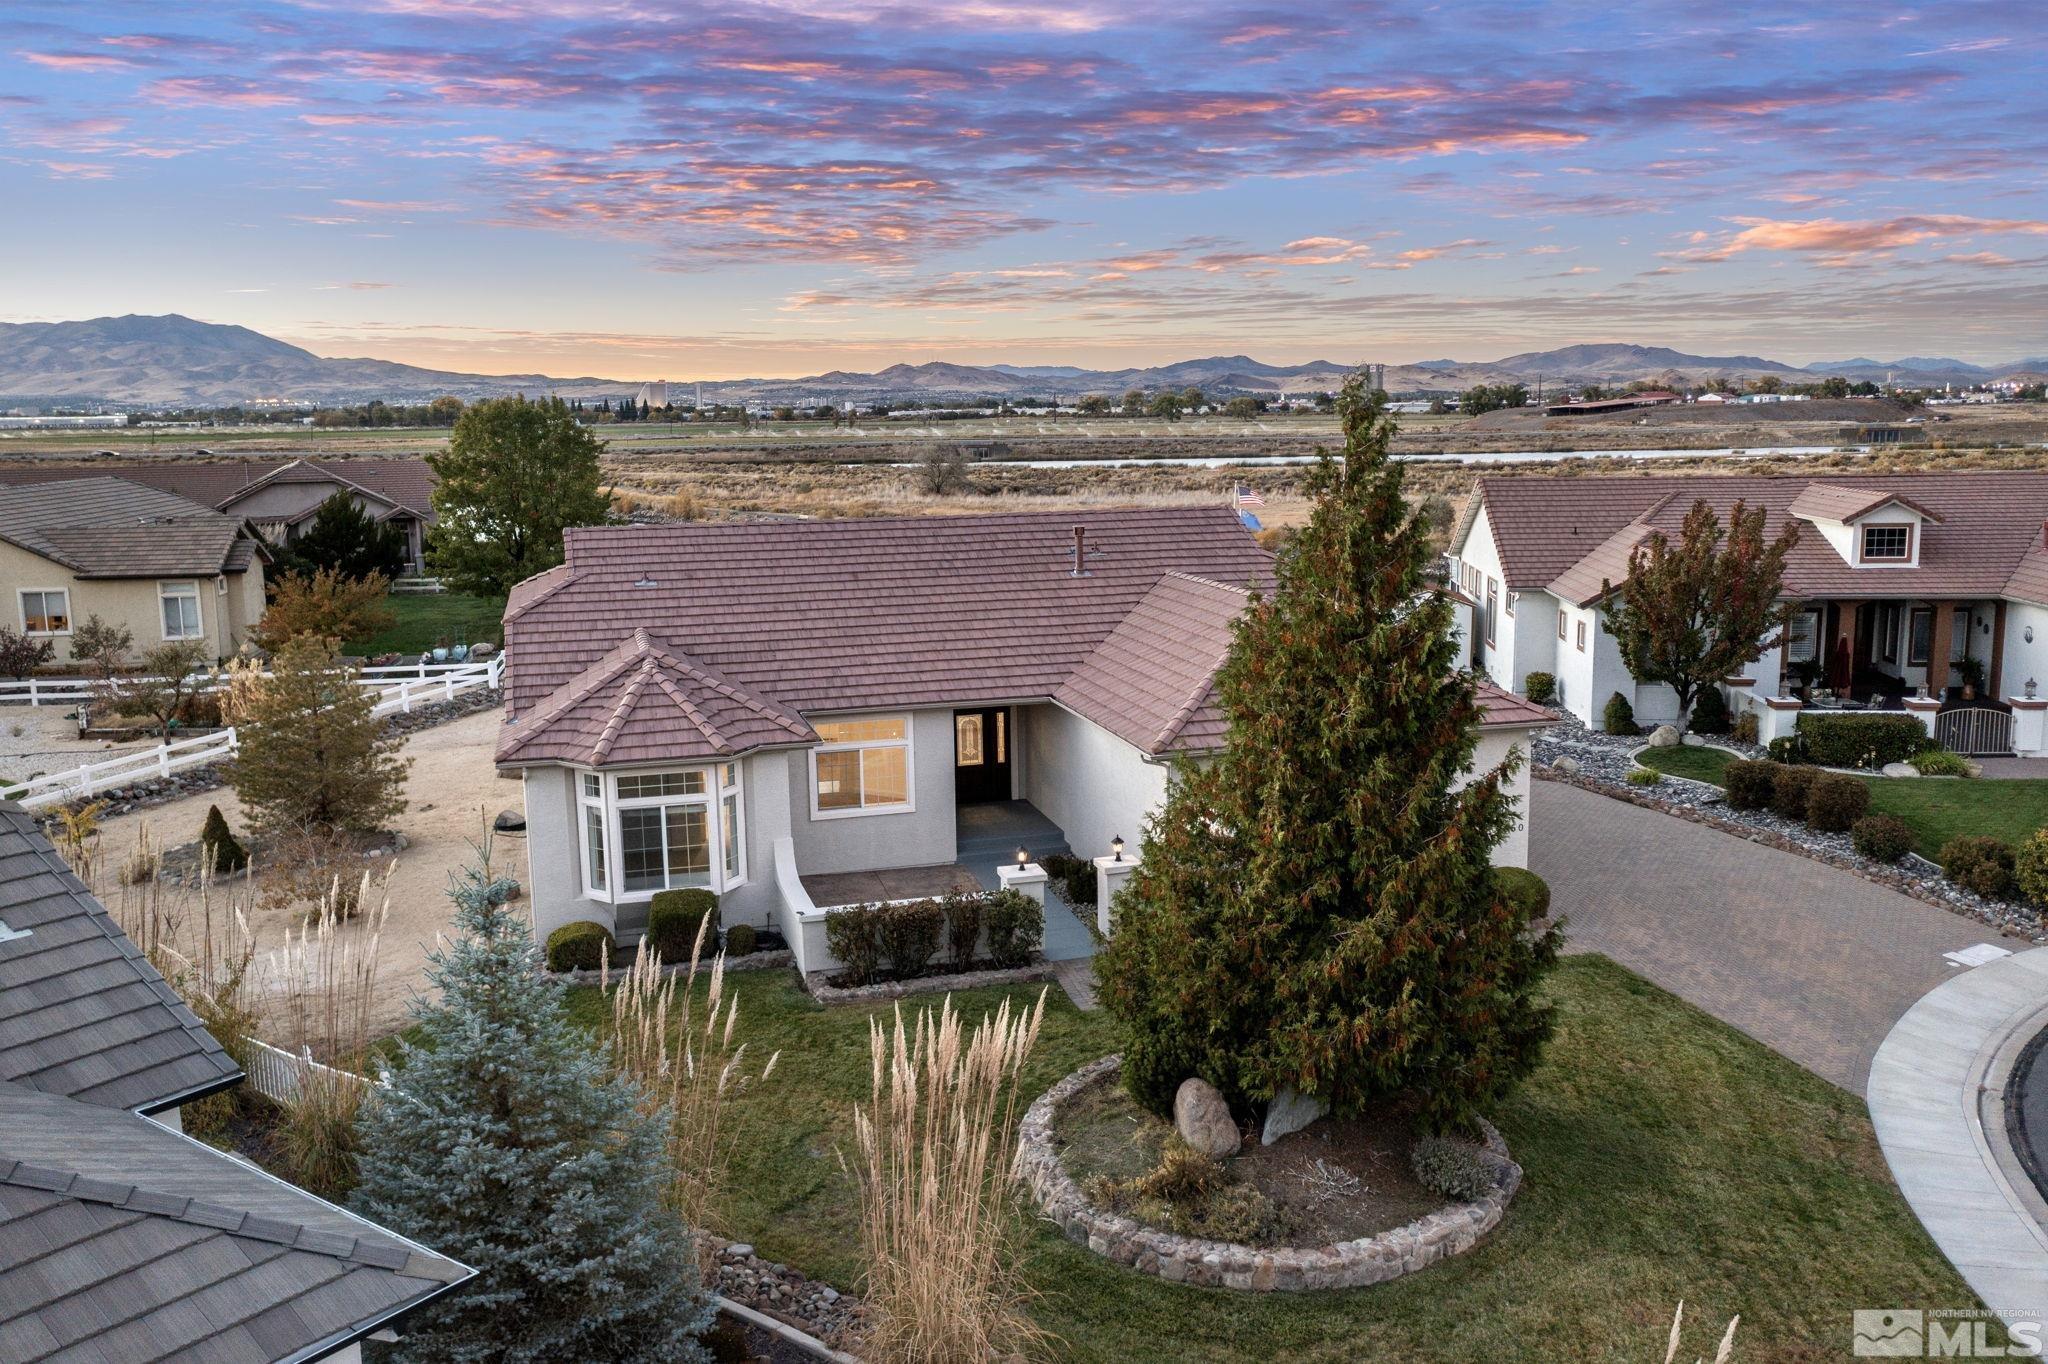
[[425, 620], [1667, 1155], [1936, 809]]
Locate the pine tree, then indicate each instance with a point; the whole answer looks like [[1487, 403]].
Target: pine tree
[[344, 537], [504, 1141], [311, 753], [1315, 909], [219, 847]]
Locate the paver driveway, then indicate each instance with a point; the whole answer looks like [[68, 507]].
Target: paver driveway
[[1811, 961]]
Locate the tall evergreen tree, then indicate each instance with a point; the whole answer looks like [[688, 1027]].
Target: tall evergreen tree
[[504, 1141], [1315, 909], [515, 475], [312, 754], [342, 536]]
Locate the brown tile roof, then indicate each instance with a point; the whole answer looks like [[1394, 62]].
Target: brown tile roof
[[1606, 563], [111, 528], [1843, 502], [796, 619], [82, 1012], [1505, 710], [123, 1240], [408, 483], [1989, 522]]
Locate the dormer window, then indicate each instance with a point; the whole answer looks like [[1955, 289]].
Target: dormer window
[[1887, 544]]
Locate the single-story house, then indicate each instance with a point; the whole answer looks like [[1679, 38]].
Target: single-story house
[[164, 567], [1925, 592], [120, 1237], [761, 708], [277, 497]]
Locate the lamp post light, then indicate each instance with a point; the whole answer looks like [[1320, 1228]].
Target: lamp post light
[[1116, 846], [1023, 858]]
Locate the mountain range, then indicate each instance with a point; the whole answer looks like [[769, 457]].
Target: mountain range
[[140, 361]]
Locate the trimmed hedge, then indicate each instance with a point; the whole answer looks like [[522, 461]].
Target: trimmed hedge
[[1861, 739], [1526, 893], [900, 940], [1540, 688], [1073, 877], [672, 920], [963, 926], [1709, 713], [1791, 790], [1881, 838], [854, 935], [1979, 864], [580, 946], [218, 847], [1619, 717], [1751, 785], [1016, 927], [910, 933], [1836, 802], [2030, 867], [740, 940]]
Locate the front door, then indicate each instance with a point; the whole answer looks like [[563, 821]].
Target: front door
[[981, 755]]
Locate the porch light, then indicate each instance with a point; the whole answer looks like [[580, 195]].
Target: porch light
[[2030, 689], [1023, 858], [1116, 846]]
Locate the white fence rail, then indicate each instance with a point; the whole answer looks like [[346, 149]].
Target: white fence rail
[[400, 697], [275, 1073], [65, 691]]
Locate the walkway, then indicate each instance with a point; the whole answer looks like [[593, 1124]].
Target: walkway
[[1937, 1099], [1814, 962]]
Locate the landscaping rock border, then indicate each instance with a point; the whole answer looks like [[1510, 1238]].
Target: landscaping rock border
[[1600, 762], [788, 1295], [815, 983], [754, 961], [1449, 1231]]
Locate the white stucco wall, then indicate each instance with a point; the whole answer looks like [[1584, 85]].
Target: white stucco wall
[[1086, 780], [924, 836], [2021, 659], [1493, 750]]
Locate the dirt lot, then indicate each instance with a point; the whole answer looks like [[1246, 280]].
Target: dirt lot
[[451, 796]]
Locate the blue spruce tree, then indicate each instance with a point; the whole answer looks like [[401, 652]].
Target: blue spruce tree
[[504, 1141]]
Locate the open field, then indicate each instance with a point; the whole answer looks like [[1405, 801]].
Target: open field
[[1667, 1157]]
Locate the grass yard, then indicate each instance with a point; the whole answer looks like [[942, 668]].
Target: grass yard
[[1667, 1155], [424, 620], [1936, 809]]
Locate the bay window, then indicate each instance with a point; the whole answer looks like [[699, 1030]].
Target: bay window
[[862, 767], [644, 832]]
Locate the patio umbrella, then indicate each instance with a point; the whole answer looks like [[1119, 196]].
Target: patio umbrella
[[1838, 666]]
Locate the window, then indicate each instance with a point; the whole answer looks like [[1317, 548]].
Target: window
[[1582, 636], [46, 612], [1887, 544], [1802, 638], [1560, 622], [1889, 634], [651, 831], [1920, 637], [1492, 608], [181, 610], [862, 766]]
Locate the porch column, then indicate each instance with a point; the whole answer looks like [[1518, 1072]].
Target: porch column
[[1927, 710], [1030, 878], [1110, 875], [1937, 649], [1994, 676]]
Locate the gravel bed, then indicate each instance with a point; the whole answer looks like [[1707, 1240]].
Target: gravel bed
[[787, 1294], [1571, 754]]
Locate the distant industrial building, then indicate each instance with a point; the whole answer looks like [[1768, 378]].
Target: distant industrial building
[[1656, 397], [62, 423], [652, 396]]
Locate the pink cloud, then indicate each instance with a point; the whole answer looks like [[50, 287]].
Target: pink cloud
[[221, 91], [78, 61]]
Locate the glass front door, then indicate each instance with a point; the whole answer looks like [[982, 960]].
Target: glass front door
[[981, 755]]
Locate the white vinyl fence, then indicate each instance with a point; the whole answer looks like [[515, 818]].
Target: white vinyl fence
[[394, 697], [274, 1072], [68, 691]]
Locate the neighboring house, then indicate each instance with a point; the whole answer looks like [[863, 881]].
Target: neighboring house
[[163, 567], [120, 1237], [1909, 584], [277, 497], [751, 707]]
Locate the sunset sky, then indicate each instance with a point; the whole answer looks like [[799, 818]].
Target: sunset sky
[[638, 189]]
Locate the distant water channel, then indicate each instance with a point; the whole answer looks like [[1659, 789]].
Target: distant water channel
[[1476, 457]]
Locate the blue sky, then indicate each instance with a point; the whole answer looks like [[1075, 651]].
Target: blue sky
[[641, 189]]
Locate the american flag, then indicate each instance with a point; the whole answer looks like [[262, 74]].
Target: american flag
[[1249, 497]]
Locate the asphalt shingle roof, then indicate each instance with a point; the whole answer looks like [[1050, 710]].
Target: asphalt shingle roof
[[82, 1012], [111, 528], [408, 483]]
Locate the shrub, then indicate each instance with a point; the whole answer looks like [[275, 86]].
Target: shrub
[[1836, 802], [854, 935], [1881, 838], [1710, 712], [1787, 748], [21, 655], [1751, 785], [1451, 1169], [218, 847], [1743, 731], [1191, 1194], [1791, 790], [326, 605], [1526, 893], [1979, 864], [1073, 876], [740, 940], [1619, 717], [2030, 867], [580, 946], [963, 926], [910, 935], [1540, 688], [1016, 926], [1644, 776], [1869, 739], [675, 917], [1939, 762]]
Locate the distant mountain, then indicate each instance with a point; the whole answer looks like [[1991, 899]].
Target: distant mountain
[[155, 361]]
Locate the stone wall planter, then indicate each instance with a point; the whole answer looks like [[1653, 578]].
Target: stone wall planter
[[825, 993], [765, 960], [1449, 1231]]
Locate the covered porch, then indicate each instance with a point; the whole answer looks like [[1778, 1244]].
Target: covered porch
[[1876, 653]]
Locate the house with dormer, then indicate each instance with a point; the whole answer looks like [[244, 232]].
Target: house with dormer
[[1924, 592]]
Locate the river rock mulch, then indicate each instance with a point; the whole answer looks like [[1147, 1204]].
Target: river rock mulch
[[785, 1293], [1572, 754]]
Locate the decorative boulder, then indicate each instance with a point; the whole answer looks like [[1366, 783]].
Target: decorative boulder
[[479, 652], [1695, 741], [1664, 736], [509, 822], [1901, 770], [1566, 767], [1290, 1112], [1204, 1120]]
